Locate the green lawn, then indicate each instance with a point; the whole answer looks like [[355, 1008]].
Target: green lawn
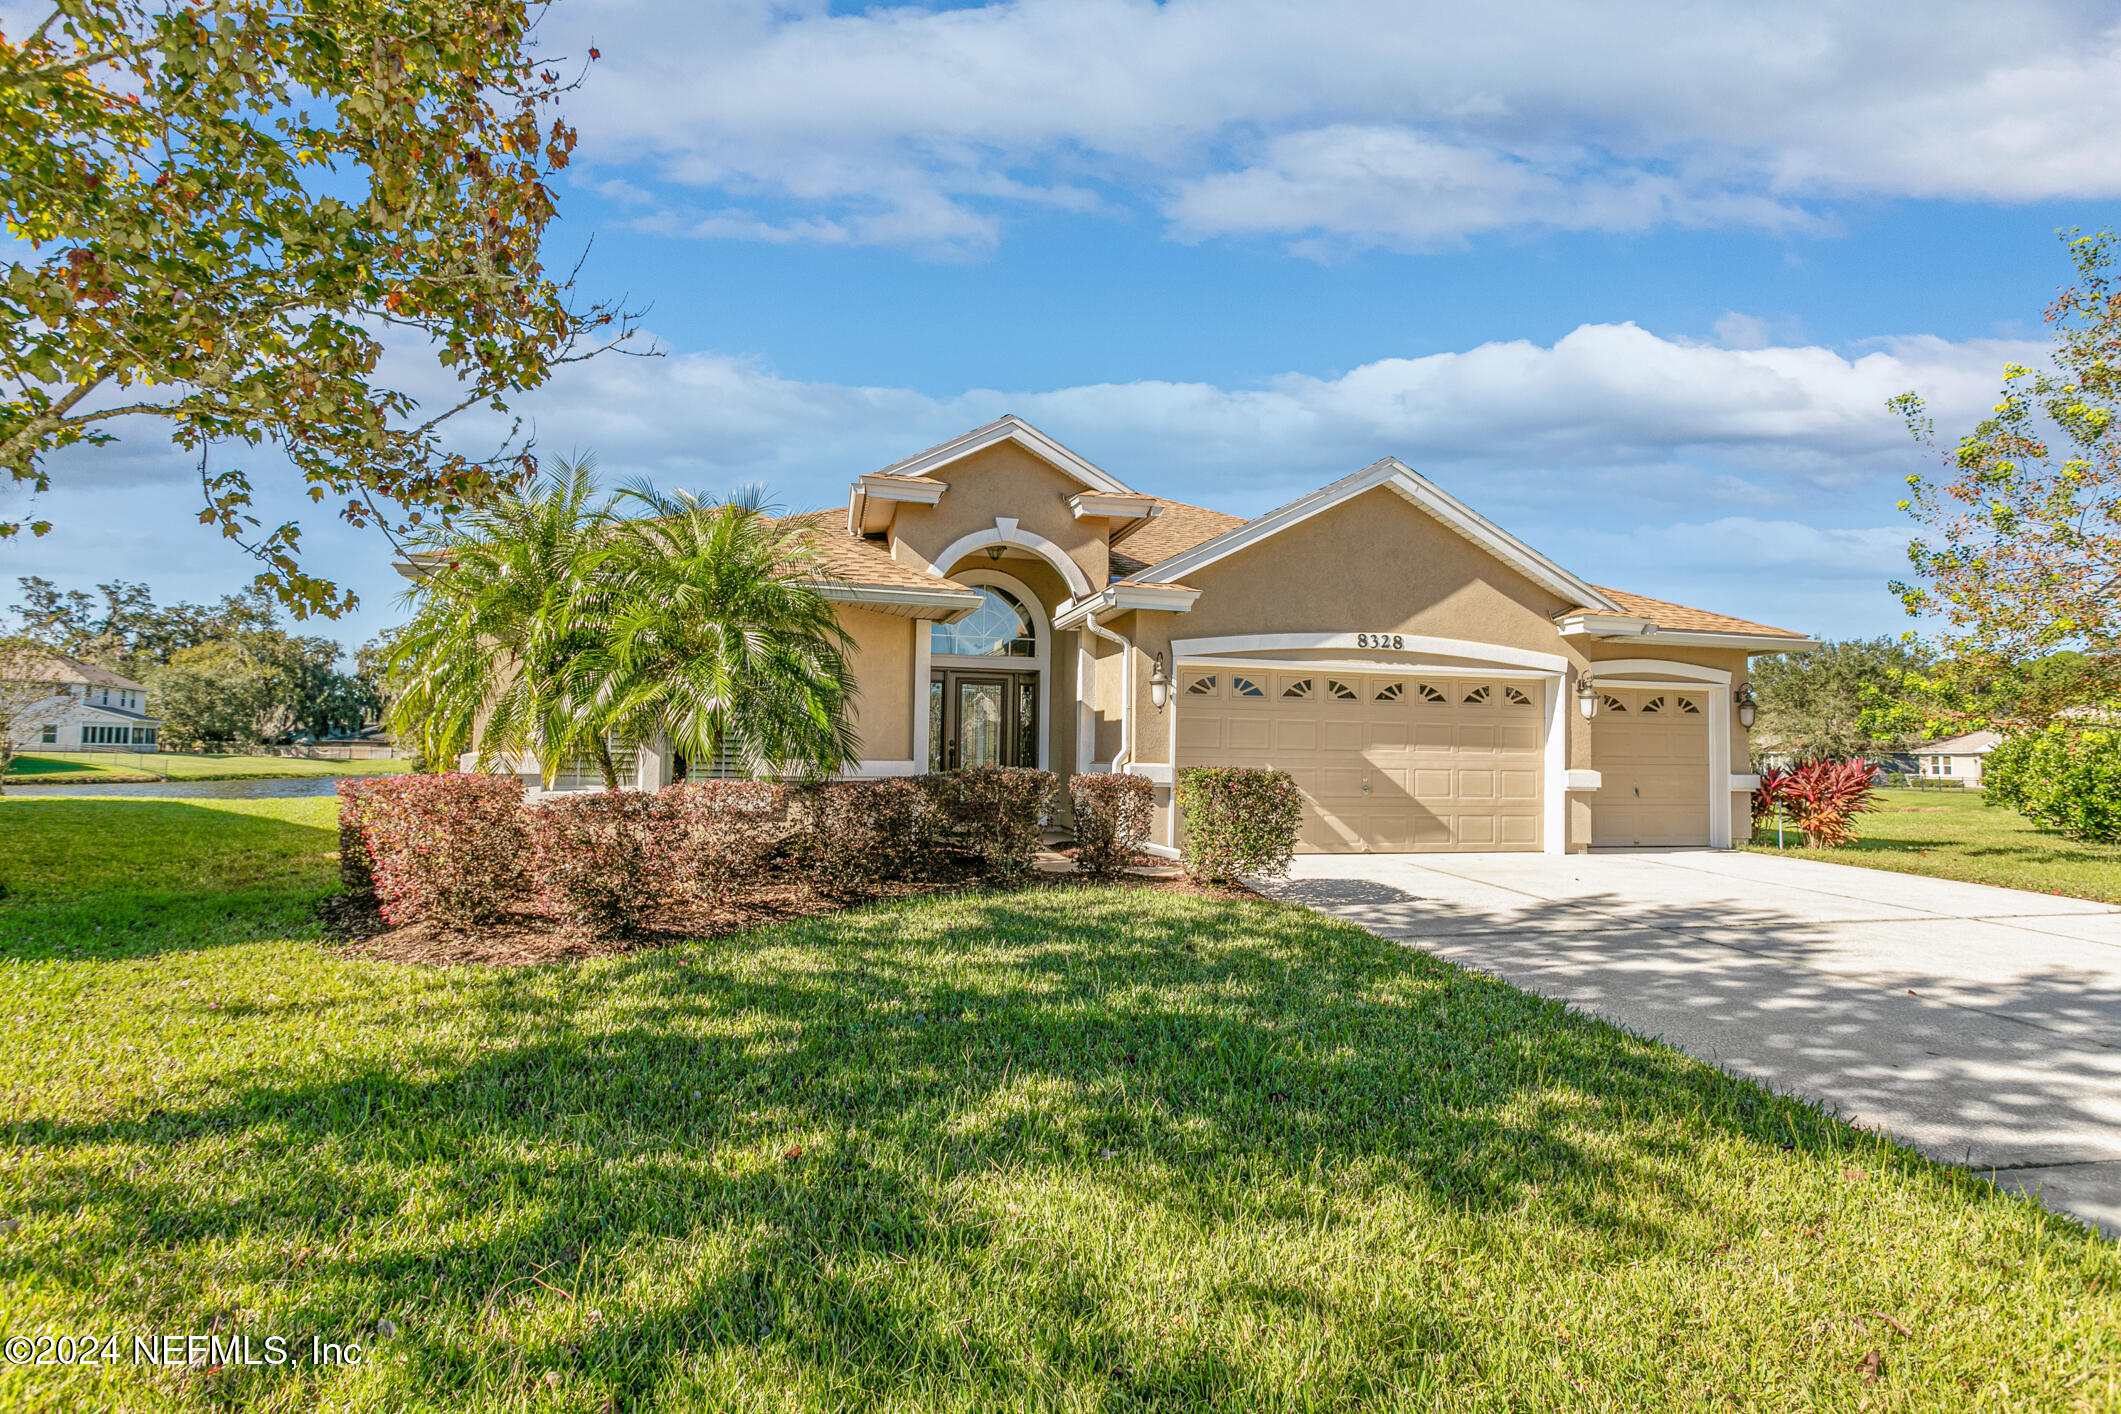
[[1068, 1149], [1953, 835], [61, 767]]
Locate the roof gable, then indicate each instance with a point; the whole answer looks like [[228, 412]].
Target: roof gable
[[1412, 487], [1007, 428]]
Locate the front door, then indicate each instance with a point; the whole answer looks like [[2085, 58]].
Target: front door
[[982, 719]]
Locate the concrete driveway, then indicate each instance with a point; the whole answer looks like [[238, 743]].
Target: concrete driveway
[[1980, 1025]]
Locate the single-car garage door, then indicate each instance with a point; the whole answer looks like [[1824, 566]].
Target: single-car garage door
[[1389, 763], [1651, 748]]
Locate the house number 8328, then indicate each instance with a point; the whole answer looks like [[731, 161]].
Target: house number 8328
[[1379, 640]]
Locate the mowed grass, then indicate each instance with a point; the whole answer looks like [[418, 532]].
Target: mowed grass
[[59, 768], [1069, 1149], [1954, 835]]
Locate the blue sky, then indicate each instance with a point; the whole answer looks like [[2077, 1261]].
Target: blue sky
[[1632, 279]]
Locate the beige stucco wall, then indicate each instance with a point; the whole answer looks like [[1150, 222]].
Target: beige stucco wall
[[881, 660], [1378, 564], [1002, 481], [1371, 564]]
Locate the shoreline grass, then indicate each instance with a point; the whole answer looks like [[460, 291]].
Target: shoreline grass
[[1956, 835], [1058, 1149]]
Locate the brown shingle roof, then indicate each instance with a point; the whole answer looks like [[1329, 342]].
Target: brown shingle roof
[[859, 561], [1666, 614], [57, 667], [1176, 530]]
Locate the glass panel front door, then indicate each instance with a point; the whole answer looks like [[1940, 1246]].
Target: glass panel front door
[[979, 722], [982, 719]]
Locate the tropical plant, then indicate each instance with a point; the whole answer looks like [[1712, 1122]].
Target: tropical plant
[[719, 636], [1824, 797], [223, 209], [2026, 554], [510, 610]]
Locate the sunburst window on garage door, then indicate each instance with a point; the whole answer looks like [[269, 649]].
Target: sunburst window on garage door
[[1202, 686], [1391, 691], [1341, 690], [1515, 698]]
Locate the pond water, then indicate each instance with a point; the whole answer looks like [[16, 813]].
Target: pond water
[[250, 789]]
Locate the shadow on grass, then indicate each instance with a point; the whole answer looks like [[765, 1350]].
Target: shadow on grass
[[954, 1143], [133, 878]]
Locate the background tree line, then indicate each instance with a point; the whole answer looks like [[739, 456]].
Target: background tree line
[[221, 674]]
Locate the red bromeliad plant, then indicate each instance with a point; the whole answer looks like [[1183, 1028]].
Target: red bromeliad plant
[[1823, 797]]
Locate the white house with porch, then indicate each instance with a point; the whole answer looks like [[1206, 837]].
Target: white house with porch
[[83, 708]]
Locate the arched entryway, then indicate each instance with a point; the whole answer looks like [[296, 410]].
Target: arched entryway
[[988, 678]]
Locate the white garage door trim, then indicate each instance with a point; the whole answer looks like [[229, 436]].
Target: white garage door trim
[[1612, 672], [1550, 668]]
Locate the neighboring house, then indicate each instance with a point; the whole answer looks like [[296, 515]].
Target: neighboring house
[[86, 708], [1956, 758], [1424, 675]]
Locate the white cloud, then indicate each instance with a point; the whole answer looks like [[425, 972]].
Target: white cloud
[[1354, 121], [1709, 474]]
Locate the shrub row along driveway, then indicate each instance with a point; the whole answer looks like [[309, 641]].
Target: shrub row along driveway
[[1981, 1025]]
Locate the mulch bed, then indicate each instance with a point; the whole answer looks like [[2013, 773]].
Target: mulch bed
[[530, 936]]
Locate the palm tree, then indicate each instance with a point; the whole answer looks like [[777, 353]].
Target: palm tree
[[508, 617], [721, 638]]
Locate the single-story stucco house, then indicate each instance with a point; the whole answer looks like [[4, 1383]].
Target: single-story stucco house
[[1956, 758], [80, 707], [1432, 682]]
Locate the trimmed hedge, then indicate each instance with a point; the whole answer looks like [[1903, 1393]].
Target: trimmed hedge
[[719, 835], [445, 849], [460, 850], [1111, 819], [1238, 821], [600, 860], [866, 832], [2065, 778], [356, 870], [991, 818]]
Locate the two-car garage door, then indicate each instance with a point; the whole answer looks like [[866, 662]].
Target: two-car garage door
[[1387, 762]]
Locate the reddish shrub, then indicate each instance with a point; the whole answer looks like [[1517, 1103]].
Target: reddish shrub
[[866, 832], [1823, 797], [356, 871], [447, 848], [1238, 820], [1111, 819], [718, 835], [991, 817], [600, 859]]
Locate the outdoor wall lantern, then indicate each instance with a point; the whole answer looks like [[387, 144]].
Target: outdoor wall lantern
[[1747, 707], [994, 553], [1159, 684], [1586, 695]]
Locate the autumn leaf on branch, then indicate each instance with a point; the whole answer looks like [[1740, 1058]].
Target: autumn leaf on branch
[[227, 204]]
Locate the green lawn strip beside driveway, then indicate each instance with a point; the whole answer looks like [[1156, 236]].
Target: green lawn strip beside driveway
[[1955, 835], [1059, 1148], [88, 767]]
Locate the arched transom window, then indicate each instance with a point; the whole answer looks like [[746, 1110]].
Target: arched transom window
[[999, 628]]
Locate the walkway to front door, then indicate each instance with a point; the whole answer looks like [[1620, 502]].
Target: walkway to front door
[[1981, 1025], [982, 718]]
